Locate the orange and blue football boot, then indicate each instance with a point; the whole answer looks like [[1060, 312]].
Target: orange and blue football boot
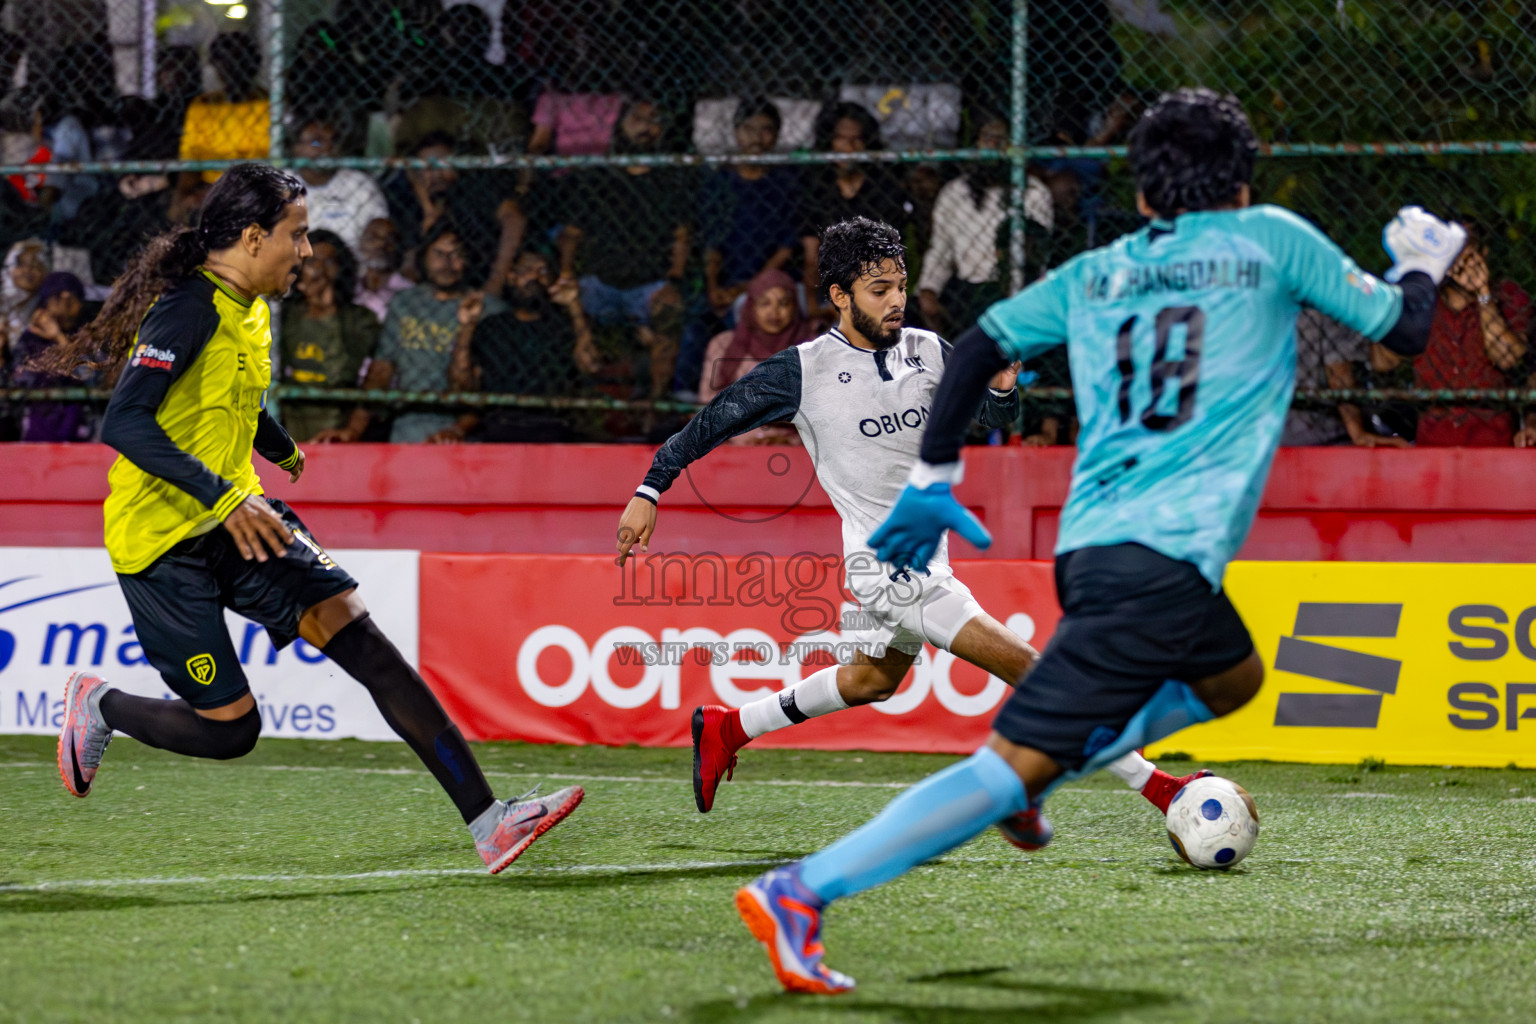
[[785, 917], [85, 734]]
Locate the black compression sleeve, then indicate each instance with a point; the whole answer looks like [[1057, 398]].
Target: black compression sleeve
[[996, 410], [273, 443], [1410, 335], [999, 410], [769, 393], [131, 428], [171, 337], [975, 360]]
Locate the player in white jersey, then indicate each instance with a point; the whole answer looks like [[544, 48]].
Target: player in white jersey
[[859, 396]]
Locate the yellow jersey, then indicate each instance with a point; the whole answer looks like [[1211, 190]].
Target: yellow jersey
[[187, 411]]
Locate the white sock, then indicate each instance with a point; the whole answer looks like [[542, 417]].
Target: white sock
[[815, 695], [1133, 768]]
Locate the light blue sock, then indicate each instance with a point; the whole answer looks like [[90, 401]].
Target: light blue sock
[[1173, 707], [937, 814]]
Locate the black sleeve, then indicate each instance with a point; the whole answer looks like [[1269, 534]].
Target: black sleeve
[[1410, 335], [767, 394], [273, 443], [975, 359], [170, 338], [998, 409]]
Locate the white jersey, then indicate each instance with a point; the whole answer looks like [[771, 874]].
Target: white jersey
[[859, 412]]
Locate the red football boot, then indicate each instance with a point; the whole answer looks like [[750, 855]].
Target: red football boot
[[717, 735], [1161, 788]]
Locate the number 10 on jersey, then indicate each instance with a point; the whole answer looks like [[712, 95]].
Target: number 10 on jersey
[[1184, 373]]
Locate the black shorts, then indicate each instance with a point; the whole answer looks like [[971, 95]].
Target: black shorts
[[1132, 620], [178, 605]]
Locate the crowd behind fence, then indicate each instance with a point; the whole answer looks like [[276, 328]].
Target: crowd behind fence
[[539, 221]]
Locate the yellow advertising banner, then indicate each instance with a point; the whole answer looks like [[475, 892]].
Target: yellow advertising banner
[[1410, 663]]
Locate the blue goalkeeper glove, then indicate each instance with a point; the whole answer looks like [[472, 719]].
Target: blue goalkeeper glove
[[925, 509]]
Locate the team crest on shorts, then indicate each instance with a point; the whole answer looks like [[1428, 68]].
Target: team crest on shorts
[[202, 668]]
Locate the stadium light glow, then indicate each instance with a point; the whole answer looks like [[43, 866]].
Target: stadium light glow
[[237, 11], [224, 3]]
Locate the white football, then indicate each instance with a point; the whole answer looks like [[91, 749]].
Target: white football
[[1212, 823]]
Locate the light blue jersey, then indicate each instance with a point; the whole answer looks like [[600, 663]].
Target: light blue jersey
[[1182, 343]]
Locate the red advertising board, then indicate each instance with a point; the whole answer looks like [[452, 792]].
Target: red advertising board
[[573, 649]]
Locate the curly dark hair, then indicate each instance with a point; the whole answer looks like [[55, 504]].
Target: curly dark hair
[[852, 249], [1192, 150], [246, 194]]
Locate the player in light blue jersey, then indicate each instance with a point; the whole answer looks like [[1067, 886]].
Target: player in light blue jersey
[[1181, 338]]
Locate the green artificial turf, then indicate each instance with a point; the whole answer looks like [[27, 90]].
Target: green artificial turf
[[1392, 894]]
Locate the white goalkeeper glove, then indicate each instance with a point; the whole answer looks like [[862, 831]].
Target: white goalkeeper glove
[[1418, 240]]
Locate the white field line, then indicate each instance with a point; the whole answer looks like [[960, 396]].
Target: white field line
[[567, 869], [830, 783], [781, 783]]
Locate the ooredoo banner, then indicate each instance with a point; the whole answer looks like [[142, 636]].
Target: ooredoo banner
[[61, 611], [1408, 663], [575, 650]]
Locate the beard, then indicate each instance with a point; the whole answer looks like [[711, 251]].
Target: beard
[[527, 300], [874, 331]]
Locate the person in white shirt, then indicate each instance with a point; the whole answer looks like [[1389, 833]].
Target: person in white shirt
[[859, 396], [967, 218], [340, 200]]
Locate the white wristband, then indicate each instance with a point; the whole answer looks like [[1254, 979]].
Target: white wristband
[[926, 475], [649, 493]]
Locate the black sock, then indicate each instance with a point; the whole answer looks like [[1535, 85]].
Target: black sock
[[412, 712], [173, 725]]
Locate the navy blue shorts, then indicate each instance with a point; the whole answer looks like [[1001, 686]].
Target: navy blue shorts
[[178, 605], [1132, 620]]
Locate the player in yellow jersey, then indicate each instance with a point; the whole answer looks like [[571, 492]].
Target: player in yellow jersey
[[187, 335]]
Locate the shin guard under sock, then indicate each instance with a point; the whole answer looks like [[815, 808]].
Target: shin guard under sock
[[412, 712], [173, 725]]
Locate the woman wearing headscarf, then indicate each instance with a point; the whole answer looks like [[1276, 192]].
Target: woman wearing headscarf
[[60, 300], [770, 322]]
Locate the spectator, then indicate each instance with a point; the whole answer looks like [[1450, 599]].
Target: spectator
[[342, 200], [75, 104], [749, 210], [378, 252], [26, 266], [326, 339], [157, 133], [489, 220], [961, 270], [846, 190], [770, 322], [415, 351], [1326, 353], [626, 241], [535, 347], [232, 122], [1078, 98], [460, 92], [60, 300], [326, 74], [117, 221], [1476, 339]]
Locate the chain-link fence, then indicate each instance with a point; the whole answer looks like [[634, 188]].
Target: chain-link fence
[[540, 220]]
